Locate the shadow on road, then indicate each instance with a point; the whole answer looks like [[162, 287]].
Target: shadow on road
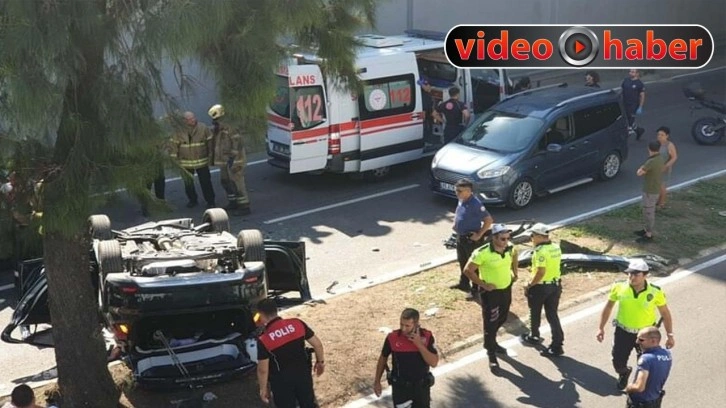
[[462, 392], [540, 392], [49, 374], [586, 376]]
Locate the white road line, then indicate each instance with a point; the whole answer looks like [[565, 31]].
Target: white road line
[[514, 341], [6, 287], [697, 73], [340, 204]]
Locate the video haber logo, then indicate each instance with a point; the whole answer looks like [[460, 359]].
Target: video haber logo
[[566, 46]]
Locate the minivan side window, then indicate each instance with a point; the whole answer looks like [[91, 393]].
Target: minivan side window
[[559, 132], [594, 119], [388, 96]]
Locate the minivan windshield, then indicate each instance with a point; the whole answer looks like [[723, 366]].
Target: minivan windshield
[[501, 131]]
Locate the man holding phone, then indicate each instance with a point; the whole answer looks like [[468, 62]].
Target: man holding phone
[[414, 353]]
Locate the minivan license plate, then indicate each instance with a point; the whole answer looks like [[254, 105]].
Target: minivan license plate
[[447, 186]]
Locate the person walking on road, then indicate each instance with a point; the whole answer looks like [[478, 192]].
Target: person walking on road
[[670, 155], [652, 173], [230, 156], [414, 353], [284, 361], [493, 268], [654, 366], [193, 147], [637, 301], [471, 224], [633, 98], [592, 79], [545, 289]]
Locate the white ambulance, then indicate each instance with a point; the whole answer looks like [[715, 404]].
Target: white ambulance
[[313, 126]]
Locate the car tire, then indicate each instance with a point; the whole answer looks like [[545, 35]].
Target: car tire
[[99, 227], [521, 194], [703, 133], [108, 255], [610, 166], [217, 218], [253, 244]]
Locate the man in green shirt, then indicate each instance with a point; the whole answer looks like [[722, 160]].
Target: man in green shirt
[[493, 268], [652, 173], [544, 290], [637, 302]]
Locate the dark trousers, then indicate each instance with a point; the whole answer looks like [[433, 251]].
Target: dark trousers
[[650, 404], [549, 297], [290, 390], [428, 131], [159, 184], [494, 311], [419, 393], [205, 181], [464, 248], [623, 345], [450, 132]]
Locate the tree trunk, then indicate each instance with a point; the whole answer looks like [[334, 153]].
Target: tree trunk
[[80, 353]]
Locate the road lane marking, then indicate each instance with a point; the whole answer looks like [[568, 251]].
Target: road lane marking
[[6, 287], [514, 341], [342, 203], [697, 73]]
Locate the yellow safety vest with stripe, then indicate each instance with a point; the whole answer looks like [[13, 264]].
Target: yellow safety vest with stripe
[[191, 146], [548, 256], [229, 143], [494, 268], [636, 311]]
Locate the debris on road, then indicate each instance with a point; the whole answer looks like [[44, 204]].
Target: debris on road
[[329, 289], [431, 312]]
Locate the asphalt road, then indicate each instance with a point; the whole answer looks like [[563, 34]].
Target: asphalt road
[[584, 376], [370, 230]]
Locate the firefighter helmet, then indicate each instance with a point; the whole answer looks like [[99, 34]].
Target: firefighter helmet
[[216, 111]]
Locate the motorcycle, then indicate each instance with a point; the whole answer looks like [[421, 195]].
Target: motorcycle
[[706, 130]]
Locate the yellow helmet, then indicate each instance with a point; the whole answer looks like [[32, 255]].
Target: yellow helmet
[[216, 111]]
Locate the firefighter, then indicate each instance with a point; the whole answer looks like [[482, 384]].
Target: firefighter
[[192, 147], [230, 156], [284, 360]]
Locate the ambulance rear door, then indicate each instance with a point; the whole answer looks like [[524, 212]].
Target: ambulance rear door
[[298, 124], [391, 113]]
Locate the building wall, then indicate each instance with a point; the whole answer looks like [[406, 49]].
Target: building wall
[[443, 15]]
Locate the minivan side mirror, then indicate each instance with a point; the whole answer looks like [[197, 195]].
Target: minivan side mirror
[[554, 148]]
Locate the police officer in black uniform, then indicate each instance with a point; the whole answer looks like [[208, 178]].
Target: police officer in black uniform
[[427, 100], [413, 353], [471, 224], [455, 113], [283, 359]]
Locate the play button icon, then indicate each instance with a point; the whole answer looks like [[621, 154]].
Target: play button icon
[[578, 46]]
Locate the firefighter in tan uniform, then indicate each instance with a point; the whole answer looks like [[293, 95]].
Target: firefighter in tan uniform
[[192, 146], [230, 156]]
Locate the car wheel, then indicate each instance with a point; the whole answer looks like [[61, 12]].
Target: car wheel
[[703, 131], [99, 227], [610, 166], [521, 194], [253, 244], [109, 257], [217, 218]]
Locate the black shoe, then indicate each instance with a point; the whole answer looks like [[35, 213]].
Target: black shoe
[[192, 204], [493, 363], [552, 352], [501, 350], [529, 339], [623, 379], [639, 233], [462, 287], [644, 239]]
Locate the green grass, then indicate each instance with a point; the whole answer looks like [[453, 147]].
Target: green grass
[[689, 224]]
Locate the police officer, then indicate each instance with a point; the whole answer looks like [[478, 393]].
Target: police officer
[[192, 147], [230, 156], [493, 268], [545, 289], [455, 114], [633, 98], [427, 101], [637, 303], [289, 372], [414, 352], [471, 223], [654, 366]]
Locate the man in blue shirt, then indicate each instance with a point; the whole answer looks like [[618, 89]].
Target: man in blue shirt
[[633, 97], [471, 223], [654, 365]]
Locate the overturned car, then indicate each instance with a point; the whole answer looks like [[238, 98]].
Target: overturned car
[[176, 297]]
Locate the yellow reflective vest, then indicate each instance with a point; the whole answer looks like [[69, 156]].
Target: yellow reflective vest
[[191, 146]]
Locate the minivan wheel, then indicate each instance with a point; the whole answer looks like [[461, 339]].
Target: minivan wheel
[[610, 166], [521, 194]]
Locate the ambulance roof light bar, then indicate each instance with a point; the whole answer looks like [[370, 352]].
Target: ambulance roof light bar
[[379, 41], [426, 34]]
